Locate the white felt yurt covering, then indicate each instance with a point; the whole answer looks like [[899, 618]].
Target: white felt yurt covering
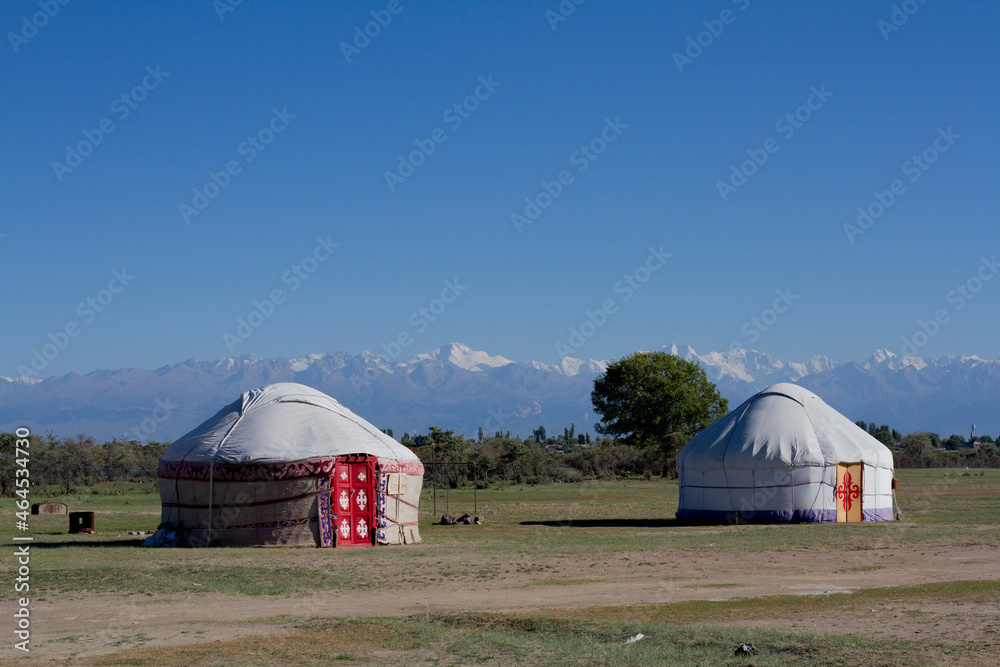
[[775, 459], [260, 472]]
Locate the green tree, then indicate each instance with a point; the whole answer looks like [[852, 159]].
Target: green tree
[[955, 441], [884, 435], [654, 400], [449, 449], [918, 450], [988, 453]]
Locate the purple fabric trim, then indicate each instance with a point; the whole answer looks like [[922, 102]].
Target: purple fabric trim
[[776, 516], [878, 514], [763, 516]]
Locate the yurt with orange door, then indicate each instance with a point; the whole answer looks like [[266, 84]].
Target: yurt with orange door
[[785, 456], [288, 465]]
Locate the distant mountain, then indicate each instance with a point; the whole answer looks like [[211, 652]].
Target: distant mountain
[[456, 387], [945, 395]]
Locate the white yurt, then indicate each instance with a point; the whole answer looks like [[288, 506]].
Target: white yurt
[[289, 465], [785, 456]]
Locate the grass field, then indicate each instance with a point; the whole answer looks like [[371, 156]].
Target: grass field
[[558, 574]]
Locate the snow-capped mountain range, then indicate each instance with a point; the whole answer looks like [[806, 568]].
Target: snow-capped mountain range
[[456, 387]]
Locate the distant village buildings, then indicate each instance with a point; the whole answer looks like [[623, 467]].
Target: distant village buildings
[[974, 442]]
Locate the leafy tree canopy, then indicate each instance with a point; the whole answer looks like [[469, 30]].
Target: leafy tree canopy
[[917, 445], [646, 397]]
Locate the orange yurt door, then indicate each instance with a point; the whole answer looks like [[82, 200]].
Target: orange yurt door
[[849, 493], [354, 493]]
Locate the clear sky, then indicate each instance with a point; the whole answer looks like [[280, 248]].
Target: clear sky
[[119, 121]]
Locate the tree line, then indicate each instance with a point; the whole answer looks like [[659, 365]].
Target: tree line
[[72, 464], [81, 463]]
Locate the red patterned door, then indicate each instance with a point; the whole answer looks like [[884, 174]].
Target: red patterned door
[[354, 501], [849, 493]]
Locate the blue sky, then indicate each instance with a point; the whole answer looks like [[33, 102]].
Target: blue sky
[[331, 121]]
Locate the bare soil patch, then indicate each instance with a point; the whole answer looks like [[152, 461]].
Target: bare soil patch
[[80, 625]]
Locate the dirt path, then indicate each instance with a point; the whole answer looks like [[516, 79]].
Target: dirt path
[[93, 624]]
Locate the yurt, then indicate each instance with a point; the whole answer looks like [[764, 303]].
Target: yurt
[[785, 456], [289, 465]]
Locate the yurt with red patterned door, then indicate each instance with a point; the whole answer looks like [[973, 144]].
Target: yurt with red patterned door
[[784, 455], [288, 465]]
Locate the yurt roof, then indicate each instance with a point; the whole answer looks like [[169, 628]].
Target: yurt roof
[[283, 422], [783, 425]]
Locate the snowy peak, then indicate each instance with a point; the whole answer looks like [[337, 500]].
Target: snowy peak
[[821, 363], [20, 380], [231, 363], [571, 366], [539, 366], [463, 357], [372, 360], [735, 363], [817, 364], [686, 352], [300, 364], [880, 358]]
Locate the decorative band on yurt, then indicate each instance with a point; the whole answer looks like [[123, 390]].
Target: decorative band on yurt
[[245, 472]]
